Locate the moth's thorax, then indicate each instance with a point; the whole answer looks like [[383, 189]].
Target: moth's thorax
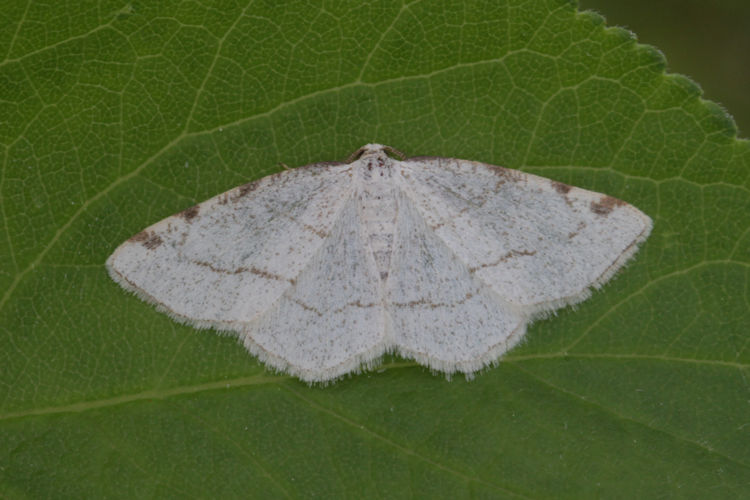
[[376, 196]]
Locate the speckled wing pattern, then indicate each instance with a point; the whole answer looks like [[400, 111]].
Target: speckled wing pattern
[[322, 269], [228, 259], [539, 244]]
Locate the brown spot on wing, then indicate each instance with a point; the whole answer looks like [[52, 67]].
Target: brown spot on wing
[[246, 189], [139, 237], [506, 174], [153, 242], [148, 239], [190, 213], [315, 231], [561, 187], [573, 234], [605, 205]]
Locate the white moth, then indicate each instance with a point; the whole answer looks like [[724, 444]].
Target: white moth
[[322, 269]]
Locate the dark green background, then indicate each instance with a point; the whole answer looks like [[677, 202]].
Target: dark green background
[[709, 41]]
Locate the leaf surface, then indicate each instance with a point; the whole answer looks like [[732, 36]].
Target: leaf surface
[[117, 116]]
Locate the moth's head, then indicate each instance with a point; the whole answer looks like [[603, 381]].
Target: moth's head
[[376, 151]]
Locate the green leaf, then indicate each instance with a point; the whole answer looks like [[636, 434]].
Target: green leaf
[[117, 115]]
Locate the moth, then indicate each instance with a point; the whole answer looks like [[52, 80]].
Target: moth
[[321, 269]]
